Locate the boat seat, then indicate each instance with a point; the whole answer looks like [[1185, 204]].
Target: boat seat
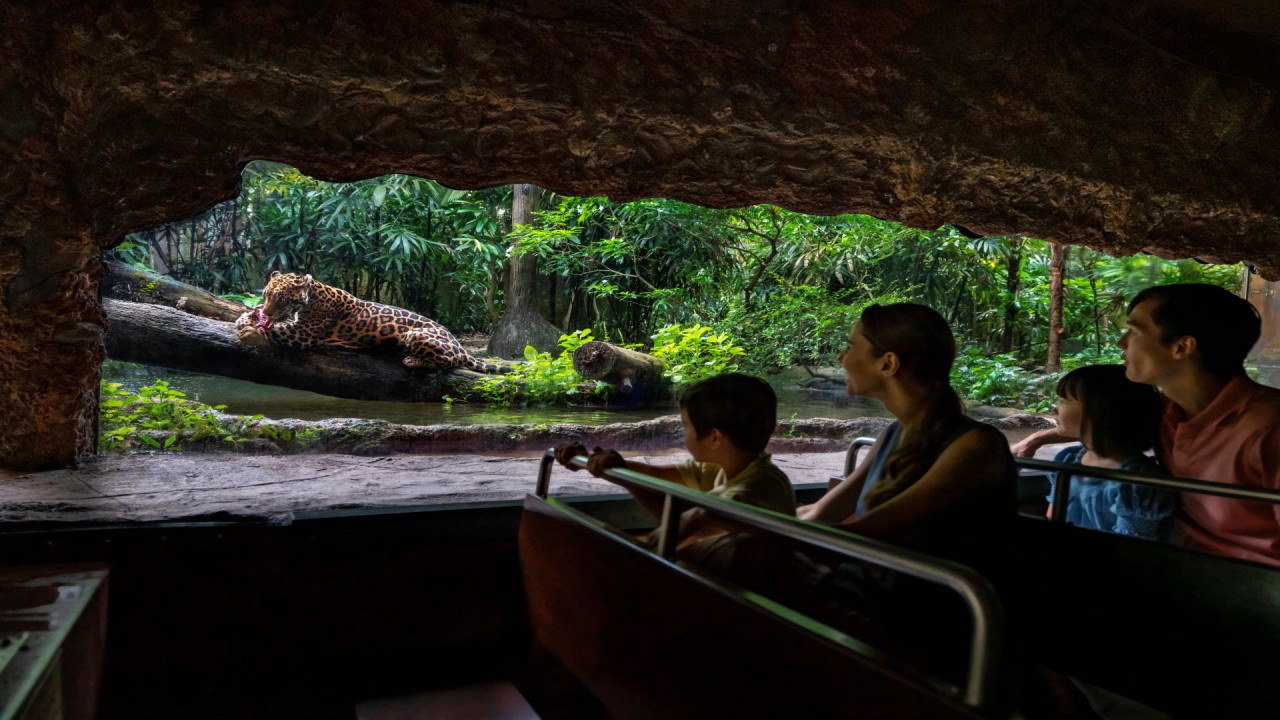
[[651, 638], [1190, 634], [487, 701]]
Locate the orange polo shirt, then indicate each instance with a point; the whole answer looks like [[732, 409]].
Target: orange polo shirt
[[1236, 440]]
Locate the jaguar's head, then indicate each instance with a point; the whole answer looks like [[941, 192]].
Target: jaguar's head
[[285, 294]]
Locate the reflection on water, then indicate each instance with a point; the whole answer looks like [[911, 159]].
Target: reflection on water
[[246, 398]]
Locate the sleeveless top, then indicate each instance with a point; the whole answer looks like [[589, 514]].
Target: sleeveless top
[[976, 529]]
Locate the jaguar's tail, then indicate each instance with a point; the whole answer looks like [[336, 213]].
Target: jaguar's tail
[[486, 367]]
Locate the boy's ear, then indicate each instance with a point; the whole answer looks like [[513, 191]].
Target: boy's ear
[[715, 437]]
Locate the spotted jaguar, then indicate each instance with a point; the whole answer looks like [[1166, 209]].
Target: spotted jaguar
[[299, 313]]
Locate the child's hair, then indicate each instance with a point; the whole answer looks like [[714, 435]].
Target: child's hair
[[742, 407], [926, 349], [1120, 418]]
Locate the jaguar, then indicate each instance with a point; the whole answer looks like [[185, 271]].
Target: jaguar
[[297, 312]]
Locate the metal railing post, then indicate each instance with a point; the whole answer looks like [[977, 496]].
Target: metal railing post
[[544, 474], [1061, 497], [669, 530]]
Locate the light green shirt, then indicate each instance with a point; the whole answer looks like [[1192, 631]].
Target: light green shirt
[[761, 483]]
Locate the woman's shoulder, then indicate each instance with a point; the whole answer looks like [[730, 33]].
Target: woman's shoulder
[[980, 434], [981, 441]]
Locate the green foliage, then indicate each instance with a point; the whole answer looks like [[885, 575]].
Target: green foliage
[[689, 353], [243, 299], [791, 284], [695, 353], [157, 416], [799, 324], [996, 380], [1001, 381], [542, 379], [133, 254]]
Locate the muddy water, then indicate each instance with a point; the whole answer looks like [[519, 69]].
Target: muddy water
[[246, 398]]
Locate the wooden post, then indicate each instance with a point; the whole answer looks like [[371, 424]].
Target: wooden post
[[1057, 294]]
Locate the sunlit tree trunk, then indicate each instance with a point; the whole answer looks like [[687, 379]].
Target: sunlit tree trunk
[[1057, 275], [522, 321], [1012, 284]]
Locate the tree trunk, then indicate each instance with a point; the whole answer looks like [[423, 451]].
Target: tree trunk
[[1097, 317], [634, 373], [1012, 284], [523, 323], [1058, 255], [158, 335], [126, 282]]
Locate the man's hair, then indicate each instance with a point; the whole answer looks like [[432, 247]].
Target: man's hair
[[1224, 325], [1120, 418], [742, 407]]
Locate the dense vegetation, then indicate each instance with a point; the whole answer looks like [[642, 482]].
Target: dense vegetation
[[785, 286]]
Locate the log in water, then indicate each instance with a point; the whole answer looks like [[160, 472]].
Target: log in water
[[635, 374]]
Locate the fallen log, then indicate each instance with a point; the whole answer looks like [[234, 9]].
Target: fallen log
[[159, 335], [633, 373], [125, 282]]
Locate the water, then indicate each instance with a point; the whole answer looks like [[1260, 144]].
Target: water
[[245, 398]]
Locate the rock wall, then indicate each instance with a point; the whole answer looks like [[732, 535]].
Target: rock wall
[[1121, 125]]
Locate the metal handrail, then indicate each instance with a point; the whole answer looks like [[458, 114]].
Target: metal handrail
[[851, 455], [982, 601], [1062, 488], [850, 459], [1067, 470]]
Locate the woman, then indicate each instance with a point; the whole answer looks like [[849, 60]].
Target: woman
[[935, 480]]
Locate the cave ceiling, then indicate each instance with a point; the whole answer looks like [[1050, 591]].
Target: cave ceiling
[[1124, 126]]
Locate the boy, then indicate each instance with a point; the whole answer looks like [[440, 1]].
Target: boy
[[728, 420]]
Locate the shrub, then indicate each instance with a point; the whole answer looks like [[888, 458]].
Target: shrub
[[157, 417], [543, 379], [694, 353], [803, 325]]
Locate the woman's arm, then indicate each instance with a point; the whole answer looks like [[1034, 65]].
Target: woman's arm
[[842, 500], [974, 461]]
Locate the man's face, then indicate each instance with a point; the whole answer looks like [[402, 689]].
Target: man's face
[[1146, 359]]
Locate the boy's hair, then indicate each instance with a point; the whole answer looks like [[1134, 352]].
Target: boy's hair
[[1120, 418], [1224, 325], [742, 407]]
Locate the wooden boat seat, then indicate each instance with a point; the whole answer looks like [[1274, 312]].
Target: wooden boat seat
[[1191, 634], [653, 639]]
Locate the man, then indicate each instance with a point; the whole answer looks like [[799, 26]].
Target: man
[[1191, 341]]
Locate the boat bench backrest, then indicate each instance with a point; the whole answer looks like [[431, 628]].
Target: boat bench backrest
[[651, 639], [1191, 634]]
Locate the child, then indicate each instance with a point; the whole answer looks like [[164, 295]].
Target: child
[[1116, 421], [728, 420]]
